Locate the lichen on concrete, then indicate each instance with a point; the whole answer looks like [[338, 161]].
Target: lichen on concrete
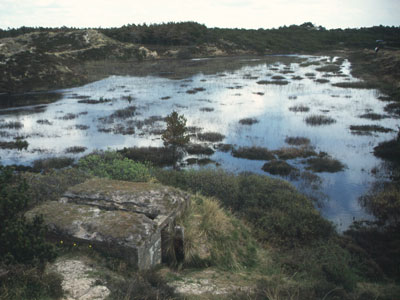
[[123, 218]]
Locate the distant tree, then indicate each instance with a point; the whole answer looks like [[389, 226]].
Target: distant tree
[[175, 136]]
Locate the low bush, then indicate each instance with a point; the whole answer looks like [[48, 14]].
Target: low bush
[[45, 164], [21, 241], [141, 285], [52, 184], [112, 165], [26, 283]]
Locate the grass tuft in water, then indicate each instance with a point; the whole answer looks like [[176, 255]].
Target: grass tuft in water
[[75, 149], [248, 121], [317, 120], [358, 129], [196, 149], [276, 82], [278, 167], [295, 152], [210, 137], [12, 125], [254, 153], [299, 108], [373, 116], [297, 141], [324, 163]]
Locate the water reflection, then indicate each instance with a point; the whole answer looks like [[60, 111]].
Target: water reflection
[[216, 102]]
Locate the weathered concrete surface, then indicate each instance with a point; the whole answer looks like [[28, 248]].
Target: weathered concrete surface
[[125, 219], [77, 284]]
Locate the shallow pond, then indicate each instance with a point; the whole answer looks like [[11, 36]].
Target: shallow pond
[[276, 94]]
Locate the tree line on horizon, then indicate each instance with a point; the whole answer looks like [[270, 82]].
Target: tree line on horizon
[[304, 37]]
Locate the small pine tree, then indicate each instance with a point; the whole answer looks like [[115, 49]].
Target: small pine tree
[[175, 136]]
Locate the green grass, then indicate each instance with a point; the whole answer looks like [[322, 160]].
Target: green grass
[[158, 156]]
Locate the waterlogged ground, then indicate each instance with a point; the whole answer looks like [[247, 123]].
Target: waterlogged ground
[[251, 102]]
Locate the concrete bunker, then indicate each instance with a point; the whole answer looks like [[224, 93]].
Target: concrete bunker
[[124, 219]]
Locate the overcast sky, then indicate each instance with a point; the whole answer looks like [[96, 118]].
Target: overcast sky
[[212, 13]]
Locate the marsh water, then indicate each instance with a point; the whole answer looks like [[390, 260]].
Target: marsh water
[[215, 99]]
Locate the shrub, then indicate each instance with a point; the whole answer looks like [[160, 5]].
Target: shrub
[[21, 241], [112, 165], [52, 184], [158, 156], [384, 203], [141, 285], [25, 283], [46, 164]]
